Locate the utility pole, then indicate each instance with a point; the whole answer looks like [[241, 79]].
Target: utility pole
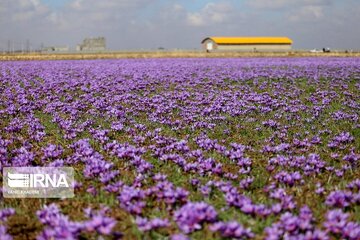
[[27, 45], [9, 46]]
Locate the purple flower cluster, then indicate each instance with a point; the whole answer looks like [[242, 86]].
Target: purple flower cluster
[[145, 224], [247, 206], [337, 224], [132, 199], [167, 192], [4, 214], [340, 199], [245, 183], [231, 229], [192, 215], [23, 157], [249, 135], [339, 141], [295, 227], [58, 225], [288, 178], [312, 164], [98, 221], [52, 151]]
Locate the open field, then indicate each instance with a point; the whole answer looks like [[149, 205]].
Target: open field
[[166, 54], [185, 148]]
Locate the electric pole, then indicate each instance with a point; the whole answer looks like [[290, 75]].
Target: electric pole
[[27, 45]]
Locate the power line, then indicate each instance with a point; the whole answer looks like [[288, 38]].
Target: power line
[[10, 46]]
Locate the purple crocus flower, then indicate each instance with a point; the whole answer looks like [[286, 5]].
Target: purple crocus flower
[[336, 221], [339, 199], [231, 229], [190, 217], [147, 225], [5, 213], [100, 223], [131, 199], [179, 236], [3, 234]]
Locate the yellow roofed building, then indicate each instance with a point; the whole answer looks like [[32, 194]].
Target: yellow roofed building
[[247, 44]]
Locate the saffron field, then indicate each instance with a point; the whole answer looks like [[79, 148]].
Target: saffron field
[[251, 148]]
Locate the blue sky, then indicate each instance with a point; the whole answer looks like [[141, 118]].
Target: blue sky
[[55, 4], [149, 24]]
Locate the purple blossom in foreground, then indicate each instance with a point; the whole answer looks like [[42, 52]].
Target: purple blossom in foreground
[[288, 178], [319, 189], [191, 216], [245, 183], [106, 177], [48, 214], [352, 158], [352, 231], [312, 164], [147, 225], [295, 227], [336, 220], [194, 182], [179, 236], [339, 199], [100, 135], [5, 213], [95, 165], [231, 229], [3, 234], [131, 199], [167, 192], [23, 157], [52, 151], [117, 126], [354, 185], [337, 223], [58, 226], [100, 223], [340, 140]]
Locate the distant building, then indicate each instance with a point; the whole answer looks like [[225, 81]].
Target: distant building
[[55, 49], [92, 44], [247, 44]]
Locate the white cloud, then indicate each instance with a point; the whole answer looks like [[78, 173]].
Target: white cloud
[[212, 13], [281, 4], [196, 19], [22, 10], [175, 12], [100, 5], [268, 3], [295, 10], [104, 14], [307, 14]]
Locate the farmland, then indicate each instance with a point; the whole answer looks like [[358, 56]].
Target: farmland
[[175, 148]]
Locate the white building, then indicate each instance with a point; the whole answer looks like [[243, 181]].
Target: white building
[[56, 49], [92, 44]]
